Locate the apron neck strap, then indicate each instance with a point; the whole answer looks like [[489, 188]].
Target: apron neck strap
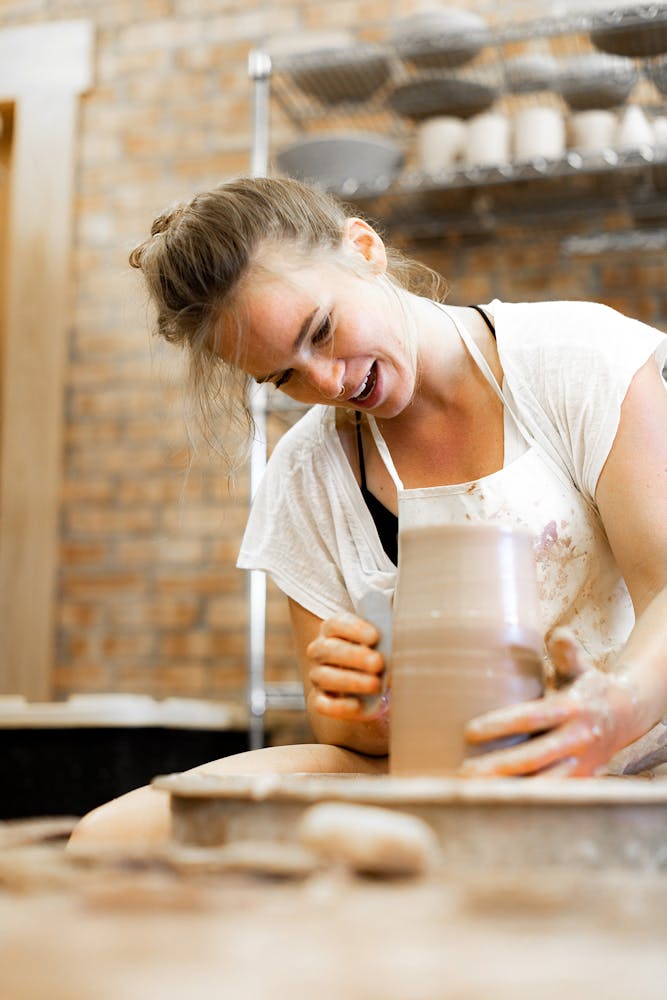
[[474, 350], [381, 446], [485, 368]]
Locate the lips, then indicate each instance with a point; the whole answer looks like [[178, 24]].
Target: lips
[[365, 390]]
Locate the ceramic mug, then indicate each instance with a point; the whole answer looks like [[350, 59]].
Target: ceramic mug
[[487, 140], [660, 130], [634, 129], [593, 131], [539, 133], [440, 143]]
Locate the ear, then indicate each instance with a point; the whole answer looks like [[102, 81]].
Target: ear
[[362, 239]]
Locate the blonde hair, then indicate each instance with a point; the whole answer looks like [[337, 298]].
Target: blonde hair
[[199, 252]]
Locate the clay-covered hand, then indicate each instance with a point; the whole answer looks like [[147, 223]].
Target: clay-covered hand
[[345, 668], [584, 717]]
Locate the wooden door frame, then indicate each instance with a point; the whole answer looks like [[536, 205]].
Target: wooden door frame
[[43, 71]]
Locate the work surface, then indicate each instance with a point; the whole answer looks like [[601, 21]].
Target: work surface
[[184, 924]]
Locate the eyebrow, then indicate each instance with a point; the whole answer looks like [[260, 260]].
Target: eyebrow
[[300, 337]]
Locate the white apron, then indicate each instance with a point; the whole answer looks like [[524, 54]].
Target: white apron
[[579, 583]]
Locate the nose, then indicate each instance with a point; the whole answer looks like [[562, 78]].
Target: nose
[[326, 376]]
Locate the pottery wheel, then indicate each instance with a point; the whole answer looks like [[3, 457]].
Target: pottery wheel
[[582, 823]]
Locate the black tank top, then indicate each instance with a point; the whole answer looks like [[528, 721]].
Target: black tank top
[[385, 520]]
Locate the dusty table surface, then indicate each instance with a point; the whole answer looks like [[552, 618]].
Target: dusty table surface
[[180, 923]]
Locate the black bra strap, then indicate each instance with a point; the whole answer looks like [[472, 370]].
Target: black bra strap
[[486, 319], [360, 450]]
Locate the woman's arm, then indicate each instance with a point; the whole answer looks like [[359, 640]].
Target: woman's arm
[[338, 664], [600, 713]]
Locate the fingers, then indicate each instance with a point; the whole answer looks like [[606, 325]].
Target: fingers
[[348, 626], [345, 640], [344, 681], [524, 717], [344, 668], [551, 751], [341, 653], [566, 768], [343, 707]]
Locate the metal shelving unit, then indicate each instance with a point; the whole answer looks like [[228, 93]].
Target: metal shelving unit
[[472, 198]]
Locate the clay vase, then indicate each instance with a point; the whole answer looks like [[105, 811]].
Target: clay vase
[[466, 639]]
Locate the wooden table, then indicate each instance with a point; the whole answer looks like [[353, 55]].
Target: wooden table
[[174, 924]]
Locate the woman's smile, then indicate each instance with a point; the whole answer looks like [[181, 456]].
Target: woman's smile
[[364, 396]]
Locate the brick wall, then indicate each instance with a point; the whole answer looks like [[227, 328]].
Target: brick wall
[[148, 597]]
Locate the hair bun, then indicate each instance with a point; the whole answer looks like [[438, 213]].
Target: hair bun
[[164, 221]]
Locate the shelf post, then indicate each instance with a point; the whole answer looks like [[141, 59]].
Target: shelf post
[[259, 70]]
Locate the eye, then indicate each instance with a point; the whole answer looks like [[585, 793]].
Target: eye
[[323, 332], [285, 377]]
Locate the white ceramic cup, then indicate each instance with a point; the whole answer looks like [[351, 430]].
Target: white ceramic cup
[[634, 129], [487, 140], [539, 133], [440, 143], [592, 131], [660, 130]]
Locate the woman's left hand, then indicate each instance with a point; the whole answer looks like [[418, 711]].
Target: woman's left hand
[[574, 729]]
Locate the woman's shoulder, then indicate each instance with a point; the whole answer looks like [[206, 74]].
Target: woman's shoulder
[[305, 436], [577, 327], [305, 457]]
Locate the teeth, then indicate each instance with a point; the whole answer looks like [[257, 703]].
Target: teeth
[[362, 390]]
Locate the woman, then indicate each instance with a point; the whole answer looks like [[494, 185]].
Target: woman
[[548, 415]]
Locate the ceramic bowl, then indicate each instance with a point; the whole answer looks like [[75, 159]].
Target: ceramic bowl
[[446, 37], [596, 80], [344, 163], [337, 75], [444, 95], [331, 66], [527, 73], [639, 30], [657, 72]]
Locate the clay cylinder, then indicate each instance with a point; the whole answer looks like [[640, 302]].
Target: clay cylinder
[[466, 639]]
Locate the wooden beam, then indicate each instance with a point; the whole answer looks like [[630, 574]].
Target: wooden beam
[[36, 282]]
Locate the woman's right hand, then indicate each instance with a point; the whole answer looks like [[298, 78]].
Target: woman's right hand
[[344, 667]]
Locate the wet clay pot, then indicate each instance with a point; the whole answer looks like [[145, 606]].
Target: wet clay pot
[[466, 639]]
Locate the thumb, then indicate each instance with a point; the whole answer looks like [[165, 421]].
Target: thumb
[[567, 655]]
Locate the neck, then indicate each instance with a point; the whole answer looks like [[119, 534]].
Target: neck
[[444, 366]]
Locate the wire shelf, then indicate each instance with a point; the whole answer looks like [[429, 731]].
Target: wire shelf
[[631, 46]]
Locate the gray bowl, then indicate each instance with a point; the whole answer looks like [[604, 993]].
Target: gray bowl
[[530, 72], [346, 163], [596, 80], [658, 74], [443, 38], [637, 31], [444, 95], [337, 75]]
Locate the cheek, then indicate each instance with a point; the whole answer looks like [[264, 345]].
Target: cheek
[[299, 391]]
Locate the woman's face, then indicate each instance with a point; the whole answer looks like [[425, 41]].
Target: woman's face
[[322, 328]]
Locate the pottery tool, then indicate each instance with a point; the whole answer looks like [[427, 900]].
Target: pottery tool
[[376, 607]]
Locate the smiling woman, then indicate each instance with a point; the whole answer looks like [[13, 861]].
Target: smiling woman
[[549, 416], [203, 259]]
